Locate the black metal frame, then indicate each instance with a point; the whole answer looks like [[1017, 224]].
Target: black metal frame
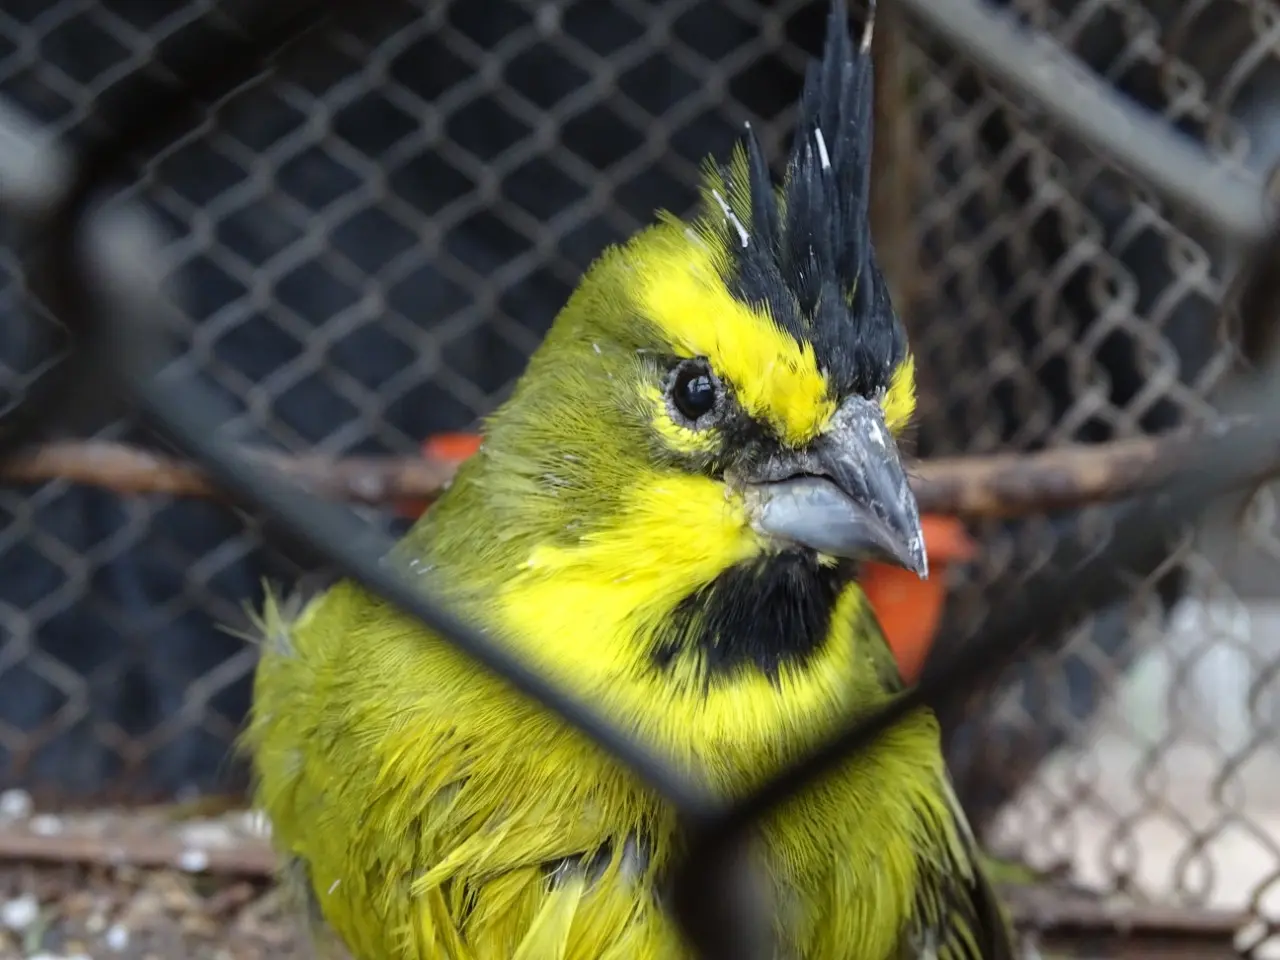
[[92, 263]]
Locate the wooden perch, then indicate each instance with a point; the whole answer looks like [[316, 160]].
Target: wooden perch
[[1021, 484], [1003, 485]]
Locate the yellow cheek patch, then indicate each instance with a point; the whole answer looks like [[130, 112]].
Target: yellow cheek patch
[[677, 526], [677, 533], [900, 399], [775, 377]]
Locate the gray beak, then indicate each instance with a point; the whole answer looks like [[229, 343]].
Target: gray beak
[[847, 495]]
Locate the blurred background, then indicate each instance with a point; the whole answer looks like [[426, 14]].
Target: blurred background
[[370, 243]]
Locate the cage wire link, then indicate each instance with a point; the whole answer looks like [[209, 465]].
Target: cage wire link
[[1056, 303], [372, 242]]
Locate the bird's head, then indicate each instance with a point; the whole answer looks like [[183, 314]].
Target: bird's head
[[718, 406]]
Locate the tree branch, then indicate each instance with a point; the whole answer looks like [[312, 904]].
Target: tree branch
[[1003, 485], [1067, 477]]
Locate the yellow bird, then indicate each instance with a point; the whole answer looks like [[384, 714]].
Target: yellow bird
[[667, 517]]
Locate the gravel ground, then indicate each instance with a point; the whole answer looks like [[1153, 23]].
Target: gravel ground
[[192, 882], [152, 884], [73, 913]]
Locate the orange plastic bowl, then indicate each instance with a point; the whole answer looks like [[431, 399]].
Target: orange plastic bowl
[[451, 447], [447, 448], [907, 607]]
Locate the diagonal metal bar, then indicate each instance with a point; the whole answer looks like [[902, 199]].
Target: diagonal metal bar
[[103, 282], [115, 250], [1091, 110]]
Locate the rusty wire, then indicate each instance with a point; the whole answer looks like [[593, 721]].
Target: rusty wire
[[105, 284]]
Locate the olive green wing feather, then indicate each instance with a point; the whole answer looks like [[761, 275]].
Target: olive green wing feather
[[959, 915]]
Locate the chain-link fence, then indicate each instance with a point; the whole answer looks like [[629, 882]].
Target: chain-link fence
[[1058, 304], [372, 242]]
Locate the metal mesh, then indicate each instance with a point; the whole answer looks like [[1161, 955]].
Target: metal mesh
[[1057, 304], [373, 243]]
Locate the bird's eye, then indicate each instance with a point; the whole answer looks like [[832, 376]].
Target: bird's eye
[[693, 389]]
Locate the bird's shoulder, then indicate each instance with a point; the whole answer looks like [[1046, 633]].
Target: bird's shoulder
[[430, 811], [955, 913]]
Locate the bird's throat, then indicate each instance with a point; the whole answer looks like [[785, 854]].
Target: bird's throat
[[765, 615]]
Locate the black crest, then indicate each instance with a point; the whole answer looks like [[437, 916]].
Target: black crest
[[804, 252]]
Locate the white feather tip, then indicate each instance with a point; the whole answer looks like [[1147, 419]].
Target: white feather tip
[[823, 156], [868, 28], [732, 218]]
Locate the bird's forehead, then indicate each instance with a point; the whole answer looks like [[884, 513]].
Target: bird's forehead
[[776, 377]]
